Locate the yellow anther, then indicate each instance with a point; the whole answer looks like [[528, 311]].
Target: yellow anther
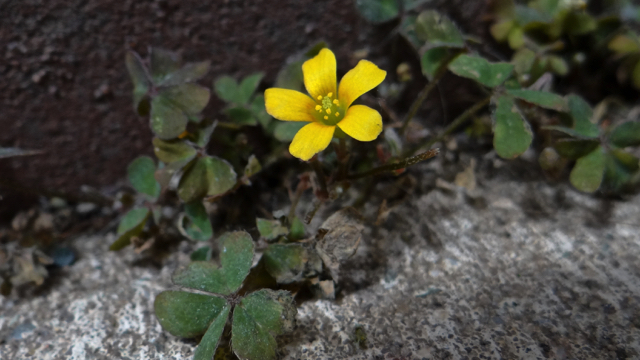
[[337, 113], [328, 111], [326, 117], [336, 102], [330, 94], [318, 107], [319, 97]]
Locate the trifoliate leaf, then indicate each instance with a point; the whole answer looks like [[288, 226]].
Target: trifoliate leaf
[[167, 120], [581, 114], [512, 135], [236, 257], [481, 70], [132, 224], [188, 73], [208, 176], [141, 173], [226, 88], [190, 98], [438, 30], [163, 62], [186, 314], [575, 148], [241, 115], [378, 11], [588, 172], [258, 319]]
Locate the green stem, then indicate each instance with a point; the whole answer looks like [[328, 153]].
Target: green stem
[[322, 180], [455, 124], [398, 165], [425, 92]]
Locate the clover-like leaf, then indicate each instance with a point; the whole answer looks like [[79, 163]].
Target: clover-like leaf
[[271, 229], [247, 87], [579, 23], [438, 30], [236, 257], [620, 169], [188, 73], [190, 98], [543, 99], [588, 171], [208, 176], [141, 175], [257, 320], [512, 134], [167, 120], [163, 62], [139, 77], [132, 224], [201, 254], [625, 44], [289, 263], [197, 226], [378, 11], [187, 314], [433, 59], [297, 230], [626, 134], [581, 114], [241, 115], [575, 148], [481, 70], [259, 111], [172, 151], [226, 88]]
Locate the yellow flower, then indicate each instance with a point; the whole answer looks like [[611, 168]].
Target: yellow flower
[[329, 106]]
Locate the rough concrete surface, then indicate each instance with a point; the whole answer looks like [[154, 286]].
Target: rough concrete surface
[[527, 271]]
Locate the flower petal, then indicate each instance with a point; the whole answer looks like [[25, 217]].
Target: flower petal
[[362, 78], [310, 140], [362, 123], [288, 105], [320, 74]]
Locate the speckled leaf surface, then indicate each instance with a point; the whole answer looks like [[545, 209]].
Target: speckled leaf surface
[[186, 314]]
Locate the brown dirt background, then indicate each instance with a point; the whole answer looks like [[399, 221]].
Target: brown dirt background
[[64, 87]]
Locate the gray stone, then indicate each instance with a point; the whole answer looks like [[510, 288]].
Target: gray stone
[[532, 271]]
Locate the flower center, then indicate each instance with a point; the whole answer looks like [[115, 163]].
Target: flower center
[[329, 110]]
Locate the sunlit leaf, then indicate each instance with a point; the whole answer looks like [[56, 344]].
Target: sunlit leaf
[[480, 70], [188, 73], [500, 30], [588, 171], [558, 65], [132, 224], [141, 173], [516, 38], [624, 44], [258, 318], [626, 134], [438, 30], [543, 99], [512, 135], [186, 314]]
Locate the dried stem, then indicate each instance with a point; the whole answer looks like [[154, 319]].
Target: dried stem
[[397, 165]]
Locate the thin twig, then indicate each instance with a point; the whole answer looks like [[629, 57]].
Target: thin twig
[[398, 165], [455, 124]]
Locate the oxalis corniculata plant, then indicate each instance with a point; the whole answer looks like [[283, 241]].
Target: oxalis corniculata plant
[[166, 91], [320, 118]]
